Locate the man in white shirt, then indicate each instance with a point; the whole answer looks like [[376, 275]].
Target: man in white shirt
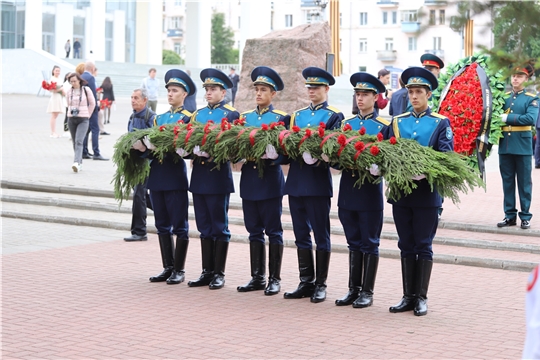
[[151, 85]]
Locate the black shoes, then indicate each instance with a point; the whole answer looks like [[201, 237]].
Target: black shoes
[[86, 157], [104, 133], [507, 222], [525, 224], [136, 238], [100, 157]]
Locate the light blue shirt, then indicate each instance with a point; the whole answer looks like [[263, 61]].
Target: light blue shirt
[[151, 86]]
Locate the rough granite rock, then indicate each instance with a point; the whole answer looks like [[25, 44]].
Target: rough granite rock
[[288, 52]]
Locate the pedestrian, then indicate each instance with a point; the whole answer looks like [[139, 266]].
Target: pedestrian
[[309, 186], [398, 103], [432, 63], [101, 105], [93, 122], [537, 142], [108, 95], [81, 105], [151, 85], [67, 47], [416, 214], [190, 104], [77, 49], [141, 118], [360, 210], [384, 77], [56, 105], [262, 196], [235, 79], [531, 348], [521, 113], [168, 185], [212, 187]]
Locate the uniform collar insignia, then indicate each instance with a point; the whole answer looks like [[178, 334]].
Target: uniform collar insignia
[[178, 109], [519, 92], [317, 107], [368, 116], [212, 107], [264, 110]]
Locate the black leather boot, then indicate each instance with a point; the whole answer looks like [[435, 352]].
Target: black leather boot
[[257, 254], [220, 259], [207, 256], [423, 274], [274, 268], [408, 301], [306, 268], [178, 273], [356, 259], [371, 262], [323, 262], [166, 245]]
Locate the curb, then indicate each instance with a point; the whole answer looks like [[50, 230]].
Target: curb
[[6, 184], [385, 253]]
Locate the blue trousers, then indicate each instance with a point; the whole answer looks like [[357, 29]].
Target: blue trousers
[[512, 168], [93, 127], [416, 228], [263, 216], [537, 148], [171, 212], [311, 213], [211, 216], [362, 229]]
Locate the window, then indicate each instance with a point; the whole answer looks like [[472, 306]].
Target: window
[[437, 43], [175, 22], [385, 17], [362, 68], [412, 43], [389, 44], [431, 17], [288, 20], [177, 3], [340, 19], [363, 45], [363, 18], [177, 48], [409, 16], [239, 23], [442, 17], [394, 17], [47, 33], [108, 40], [340, 43]]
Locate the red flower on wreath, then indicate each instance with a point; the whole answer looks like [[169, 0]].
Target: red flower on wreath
[[380, 137], [362, 131], [347, 127], [180, 121], [295, 129], [322, 125], [241, 121], [360, 146], [342, 140], [162, 127], [374, 150], [308, 132], [264, 127], [393, 140], [189, 126], [321, 132]]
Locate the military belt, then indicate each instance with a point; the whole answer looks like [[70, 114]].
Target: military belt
[[516, 128]]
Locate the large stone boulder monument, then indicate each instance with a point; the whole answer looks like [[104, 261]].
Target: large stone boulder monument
[[288, 52]]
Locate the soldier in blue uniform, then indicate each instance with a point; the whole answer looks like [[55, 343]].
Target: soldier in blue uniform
[[309, 186], [360, 210], [262, 196], [168, 184], [416, 215], [211, 187], [432, 63], [515, 149]]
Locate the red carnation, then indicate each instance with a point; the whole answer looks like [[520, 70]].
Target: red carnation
[[360, 146], [347, 127], [176, 130], [281, 123], [380, 137], [393, 140], [162, 127], [321, 132], [322, 125], [362, 131], [342, 140], [264, 127], [374, 150], [295, 129], [180, 121], [308, 132]]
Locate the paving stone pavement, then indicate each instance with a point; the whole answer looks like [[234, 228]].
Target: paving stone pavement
[[75, 292]]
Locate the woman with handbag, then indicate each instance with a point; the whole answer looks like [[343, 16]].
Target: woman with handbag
[[81, 104]]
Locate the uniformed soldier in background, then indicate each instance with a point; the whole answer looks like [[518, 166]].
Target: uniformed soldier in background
[[521, 112], [432, 63], [212, 187], [168, 184], [262, 196], [360, 210], [416, 215], [309, 186]]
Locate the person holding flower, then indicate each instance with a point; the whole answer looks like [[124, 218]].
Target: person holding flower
[[168, 184], [262, 196], [416, 214], [309, 186], [521, 112], [211, 187], [56, 104], [360, 210]]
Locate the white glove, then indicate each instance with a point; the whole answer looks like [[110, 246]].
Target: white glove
[[270, 153], [149, 145], [197, 151], [325, 157], [374, 170], [308, 159], [138, 145], [419, 177], [182, 152], [504, 117]]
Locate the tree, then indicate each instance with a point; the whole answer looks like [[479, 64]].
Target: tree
[[222, 39], [170, 57]]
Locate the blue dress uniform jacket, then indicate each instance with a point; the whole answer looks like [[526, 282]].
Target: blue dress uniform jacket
[[522, 109], [272, 184], [312, 180], [205, 177], [429, 129], [171, 173]]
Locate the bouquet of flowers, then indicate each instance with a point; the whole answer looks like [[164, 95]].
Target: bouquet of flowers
[[48, 86]]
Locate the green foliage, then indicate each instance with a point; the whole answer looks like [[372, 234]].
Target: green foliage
[[222, 40], [169, 57]]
